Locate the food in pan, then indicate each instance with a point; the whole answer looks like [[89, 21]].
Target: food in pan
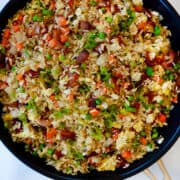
[[87, 85]]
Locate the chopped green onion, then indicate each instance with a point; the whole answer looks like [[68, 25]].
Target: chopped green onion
[[50, 151], [58, 114], [31, 104], [34, 153], [96, 133], [56, 90], [93, 3], [98, 101], [176, 67], [108, 123], [78, 156], [142, 133], [83, 66], [102, 35], [62, 58], [79, 36], [37, 18], [103, 10], [14, 68], [149, 71], [105, 75], [157, 30], [22, 117], [107, 134], [90, 44], [92, 36], [155, 133], [48, 56], [2, 49], [67, 44], [21, 89], [41, 146], [109, 19], [47, 12], [88, 116], [62, 125]]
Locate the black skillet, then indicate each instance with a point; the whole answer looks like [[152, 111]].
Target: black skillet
[[171, 132]]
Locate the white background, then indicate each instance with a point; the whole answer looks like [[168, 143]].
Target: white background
[[12, 169]]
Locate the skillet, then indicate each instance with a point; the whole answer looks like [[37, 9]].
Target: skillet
[[170, 133]]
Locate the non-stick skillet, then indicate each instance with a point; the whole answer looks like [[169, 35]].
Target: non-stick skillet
[[170, 133]]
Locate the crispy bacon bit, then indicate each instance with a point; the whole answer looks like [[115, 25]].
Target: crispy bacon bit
[[115, 132], [100, 48], [66, 134], [85, 25], [178, 82], [58, 154], [73, 81], [83, 56], [92, 103], [3, 85], [2, 60], [150, 96], [120, 161], [33, 74]]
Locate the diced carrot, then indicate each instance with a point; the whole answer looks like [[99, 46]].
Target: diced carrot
[[70, 97], [126, 85], [3, 84], [121, 116], [142, 25], [138, 8], [143, 140], [20, 18], [126, 154], [19, 46], [48, 37], [20, 77], [175, 99], [108, 9], [4, 42], [71, 3], [98, 84], [162, 118], [16, 28], [108, 30], [6, 33], [53, 5], [111, 58], [63, 38], [53, 43], [51, 133], [104, 91], [62, 21], [53, 97], [94, 112], [65, 30]]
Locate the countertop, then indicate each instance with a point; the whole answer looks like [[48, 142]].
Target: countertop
[[13, 169]]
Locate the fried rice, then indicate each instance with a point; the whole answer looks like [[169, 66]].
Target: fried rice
[[87, 85]]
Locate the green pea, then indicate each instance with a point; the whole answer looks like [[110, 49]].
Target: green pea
[[102, 35], [88, 117], [109, 19], [37, 18], [149, 71], [157, 30], [62, 58], [98, 101], [50, 151]]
